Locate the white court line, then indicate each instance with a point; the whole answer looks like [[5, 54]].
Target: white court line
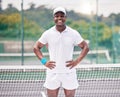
[[43, 94]]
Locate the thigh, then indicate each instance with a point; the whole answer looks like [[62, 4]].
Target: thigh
[[52, 93], [69, 93]]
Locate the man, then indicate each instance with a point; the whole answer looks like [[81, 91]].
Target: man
[[60, 40]]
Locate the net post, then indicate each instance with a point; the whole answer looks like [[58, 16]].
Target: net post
[[22, 33]]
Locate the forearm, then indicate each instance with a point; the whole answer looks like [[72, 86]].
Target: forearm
[[37, 50], [38, 53], [85, 50], [82, 55]]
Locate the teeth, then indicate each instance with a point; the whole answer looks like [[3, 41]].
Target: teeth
[[59, 21]]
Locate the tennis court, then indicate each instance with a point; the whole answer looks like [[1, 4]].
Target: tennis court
[[96, 80], [21, 74]]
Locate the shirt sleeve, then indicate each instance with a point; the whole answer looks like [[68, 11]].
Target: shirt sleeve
[[78, 38], [43, 38]]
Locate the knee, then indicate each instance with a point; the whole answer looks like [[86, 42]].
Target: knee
[[69, 95], [52, 95]]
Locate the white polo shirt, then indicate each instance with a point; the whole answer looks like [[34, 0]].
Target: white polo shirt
[[61, 47]]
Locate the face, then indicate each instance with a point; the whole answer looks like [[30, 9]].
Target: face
[[59, 19]]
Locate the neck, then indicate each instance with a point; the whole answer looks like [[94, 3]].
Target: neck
[[60, 28]]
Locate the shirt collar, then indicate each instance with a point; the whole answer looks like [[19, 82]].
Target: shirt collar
[[66, 29]]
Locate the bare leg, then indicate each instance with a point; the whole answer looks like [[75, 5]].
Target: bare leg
[[52, 93], [69, 93]]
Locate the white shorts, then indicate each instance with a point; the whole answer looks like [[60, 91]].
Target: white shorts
[[66, 80]]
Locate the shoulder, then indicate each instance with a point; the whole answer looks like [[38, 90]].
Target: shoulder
[[71, 30], [49, 31]]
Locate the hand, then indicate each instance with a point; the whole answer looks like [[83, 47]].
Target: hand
[[71, 64], [50, 64]]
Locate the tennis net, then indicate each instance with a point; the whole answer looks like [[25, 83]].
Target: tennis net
[[95, 80]]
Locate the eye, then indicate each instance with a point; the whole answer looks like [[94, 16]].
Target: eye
[[56, 16], [62, 16]]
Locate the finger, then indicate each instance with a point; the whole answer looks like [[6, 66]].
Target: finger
[[68, 65], [71, 67], [51, 65], [69, 61], [52, 61]]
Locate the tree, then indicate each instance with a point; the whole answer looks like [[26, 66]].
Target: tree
[[10, 9]]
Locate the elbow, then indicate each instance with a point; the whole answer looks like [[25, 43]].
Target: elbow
[[87, 48], [35, 49]]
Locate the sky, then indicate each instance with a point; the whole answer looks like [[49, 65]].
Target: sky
[[105, 7]]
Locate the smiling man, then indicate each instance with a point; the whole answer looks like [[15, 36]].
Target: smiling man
[[61, 40]]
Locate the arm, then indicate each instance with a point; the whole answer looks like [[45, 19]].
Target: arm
[[37, 50], [85, 49]]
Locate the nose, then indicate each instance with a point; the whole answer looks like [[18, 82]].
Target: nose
[[59, 17]]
